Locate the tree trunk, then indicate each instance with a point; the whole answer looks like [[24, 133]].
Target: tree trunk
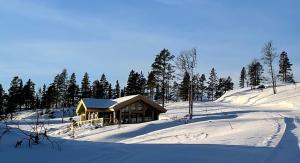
[[273, 80]]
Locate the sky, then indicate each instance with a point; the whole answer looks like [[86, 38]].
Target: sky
[[38, 38]]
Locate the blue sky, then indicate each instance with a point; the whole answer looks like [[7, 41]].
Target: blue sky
[[39, 38]]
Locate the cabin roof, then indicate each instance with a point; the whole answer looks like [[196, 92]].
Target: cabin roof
[[104, 104]]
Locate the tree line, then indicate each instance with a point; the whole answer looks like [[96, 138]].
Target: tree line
[[253, 75], [165, 82]]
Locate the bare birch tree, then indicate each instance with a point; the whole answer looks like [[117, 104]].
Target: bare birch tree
[[186, 63], [269, 55]]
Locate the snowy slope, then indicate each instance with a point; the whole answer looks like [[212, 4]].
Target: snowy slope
[[242, 126], [287, 97]]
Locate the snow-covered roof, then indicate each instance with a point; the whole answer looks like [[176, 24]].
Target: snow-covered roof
[[91, 103], [98, 103], [105, 103]]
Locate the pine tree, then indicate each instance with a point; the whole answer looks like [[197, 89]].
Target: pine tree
[[43, 98], [117, 90], [85, 86], [141, 84], [212, 84], [151, 83], [104, 84], [223, 86], [133, 85], [72, 91], [97, 90], [123, 92], [228, 84], [29, 94], [202, 86], [175, 94], [55, 90], [285, 68], [110, 92], [15, 91], [38, 99], [50, 97], [243, 78], [163, 70], [255, 71], [62, 88], [196, 87], [2, 111], [185, 87], [20, 94], [220, 88]]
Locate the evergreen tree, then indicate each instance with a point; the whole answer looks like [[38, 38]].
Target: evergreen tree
[[131, 88], [72, 91], [285, 68], [50, 96], [163, 70], [85, 86], [196, 87], [55, 87], [2, 111], [228, 84], [29, 94], [220, 87], [135, 83], [223, 86], [255, 71], [123, 92], [141, 84], [15, 91], [62, 88], [37, 101], [117, 90], [202, 86], [43, 98], [212, 84], [104, 84], [151, 84], [175, 94], [97, 90], [243, 78], [110, 92], [185, 87]]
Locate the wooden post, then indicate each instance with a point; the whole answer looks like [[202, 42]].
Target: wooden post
[[120, 118], [114, 117], [129, 112], [152, 115], [144, 113]]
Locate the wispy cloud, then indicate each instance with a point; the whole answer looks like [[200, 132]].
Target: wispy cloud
[[34, 10], [181, 2]]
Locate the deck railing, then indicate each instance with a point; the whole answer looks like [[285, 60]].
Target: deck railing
[[98, 121]]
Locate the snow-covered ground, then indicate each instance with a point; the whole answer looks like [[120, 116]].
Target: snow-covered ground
[[242, 126]]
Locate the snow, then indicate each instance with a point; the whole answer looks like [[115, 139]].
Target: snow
[[105, 103], [242, 126]]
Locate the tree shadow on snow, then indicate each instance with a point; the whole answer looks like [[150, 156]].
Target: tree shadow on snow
[[89, 152], [155, 127]]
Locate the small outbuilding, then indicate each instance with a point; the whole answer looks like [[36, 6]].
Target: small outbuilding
[[124, 110]]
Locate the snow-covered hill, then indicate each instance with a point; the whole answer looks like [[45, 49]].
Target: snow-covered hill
[[288, 96], [242, 126]]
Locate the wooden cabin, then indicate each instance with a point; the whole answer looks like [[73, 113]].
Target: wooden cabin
[[125, 110]]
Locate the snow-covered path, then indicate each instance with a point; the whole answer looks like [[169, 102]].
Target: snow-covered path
[[287, 150]]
